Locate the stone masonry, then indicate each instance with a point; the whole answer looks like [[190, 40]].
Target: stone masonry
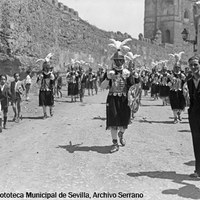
[[30, 29], [171, 17]]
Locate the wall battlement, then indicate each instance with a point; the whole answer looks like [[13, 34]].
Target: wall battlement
[[64, 8], [32, 29]]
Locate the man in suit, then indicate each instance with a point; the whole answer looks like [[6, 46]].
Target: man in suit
[[193, 87]]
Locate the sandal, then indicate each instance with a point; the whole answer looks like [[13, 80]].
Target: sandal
[[121, 139]]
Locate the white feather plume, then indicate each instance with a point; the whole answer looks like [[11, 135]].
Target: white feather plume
[[82, 61], [126, 40], [41, 59], [72, 61], [47, 58], [125, 47], [164, 61], [77, 61], [177, 56], [120, 45], [154, 63], [130, 56]]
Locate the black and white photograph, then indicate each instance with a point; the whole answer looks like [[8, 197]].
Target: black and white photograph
[[100, 99]]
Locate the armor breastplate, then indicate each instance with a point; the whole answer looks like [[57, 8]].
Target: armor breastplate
[[118, 86], [72, 79], [164, 80], [45, 83], [176, 83]]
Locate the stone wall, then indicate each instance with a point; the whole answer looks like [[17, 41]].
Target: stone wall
[[150, 51], [171, 17], [30, 29]]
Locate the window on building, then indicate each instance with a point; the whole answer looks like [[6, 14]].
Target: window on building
[[170, 1], [186, 14], [195, 10], [167, 36]]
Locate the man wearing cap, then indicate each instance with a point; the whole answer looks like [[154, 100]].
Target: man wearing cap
[[193, 88]]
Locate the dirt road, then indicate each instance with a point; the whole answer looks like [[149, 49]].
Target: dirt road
[[70, 153]]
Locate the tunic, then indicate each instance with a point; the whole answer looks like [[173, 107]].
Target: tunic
[[117, 109]]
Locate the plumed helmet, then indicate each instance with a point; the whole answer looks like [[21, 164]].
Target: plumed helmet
[[164, 67], [90, 69], [131, 64], [117, 56], [45, 65], [177, 67]]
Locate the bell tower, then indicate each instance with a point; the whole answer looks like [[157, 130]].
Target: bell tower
[[171, 17]]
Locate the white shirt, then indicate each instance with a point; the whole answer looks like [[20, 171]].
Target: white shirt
[[28, 79], [196, 82], [2, 87], [16, 84], [185, 86]]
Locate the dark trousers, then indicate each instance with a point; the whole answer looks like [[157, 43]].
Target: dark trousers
[[194, 121]]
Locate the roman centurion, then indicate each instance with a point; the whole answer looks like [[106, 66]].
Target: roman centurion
[[117, 109]]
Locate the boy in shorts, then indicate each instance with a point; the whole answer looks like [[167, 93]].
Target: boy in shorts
[[17, 89]]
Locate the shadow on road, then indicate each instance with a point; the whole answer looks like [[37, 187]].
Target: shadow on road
[[190, 163], [100, 118], [185, 122], [37, 117], [99, 149], [143, 105], [183, 131], [182, 117], [187, 191], [65, 101], [157, 122]]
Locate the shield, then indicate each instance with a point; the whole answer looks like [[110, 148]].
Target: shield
[[134, 97]]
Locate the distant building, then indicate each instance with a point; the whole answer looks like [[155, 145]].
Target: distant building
[[170, 17]]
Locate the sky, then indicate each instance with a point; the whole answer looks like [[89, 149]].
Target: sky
[[126, 16]]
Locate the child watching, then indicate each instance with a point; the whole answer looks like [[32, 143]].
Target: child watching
[[27, 84], [17, 89], [5, 96]]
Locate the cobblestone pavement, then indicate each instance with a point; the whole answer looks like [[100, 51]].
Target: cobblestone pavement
[[70, 153]]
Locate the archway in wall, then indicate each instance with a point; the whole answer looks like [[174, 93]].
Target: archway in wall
[[195, 10], [186, 14], [167, 36]]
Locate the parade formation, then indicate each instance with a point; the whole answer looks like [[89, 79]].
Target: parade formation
[[128, 107], [126, 84]]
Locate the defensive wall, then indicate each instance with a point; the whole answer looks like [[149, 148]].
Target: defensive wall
[[30, 29]]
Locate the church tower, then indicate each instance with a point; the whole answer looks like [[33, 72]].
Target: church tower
[[171, 17]]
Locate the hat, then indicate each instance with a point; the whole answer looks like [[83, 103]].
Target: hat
[[46, 59], [119, 46], [117, 56], [177, 57], [195, 57], [46, 65], [130, 56]]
